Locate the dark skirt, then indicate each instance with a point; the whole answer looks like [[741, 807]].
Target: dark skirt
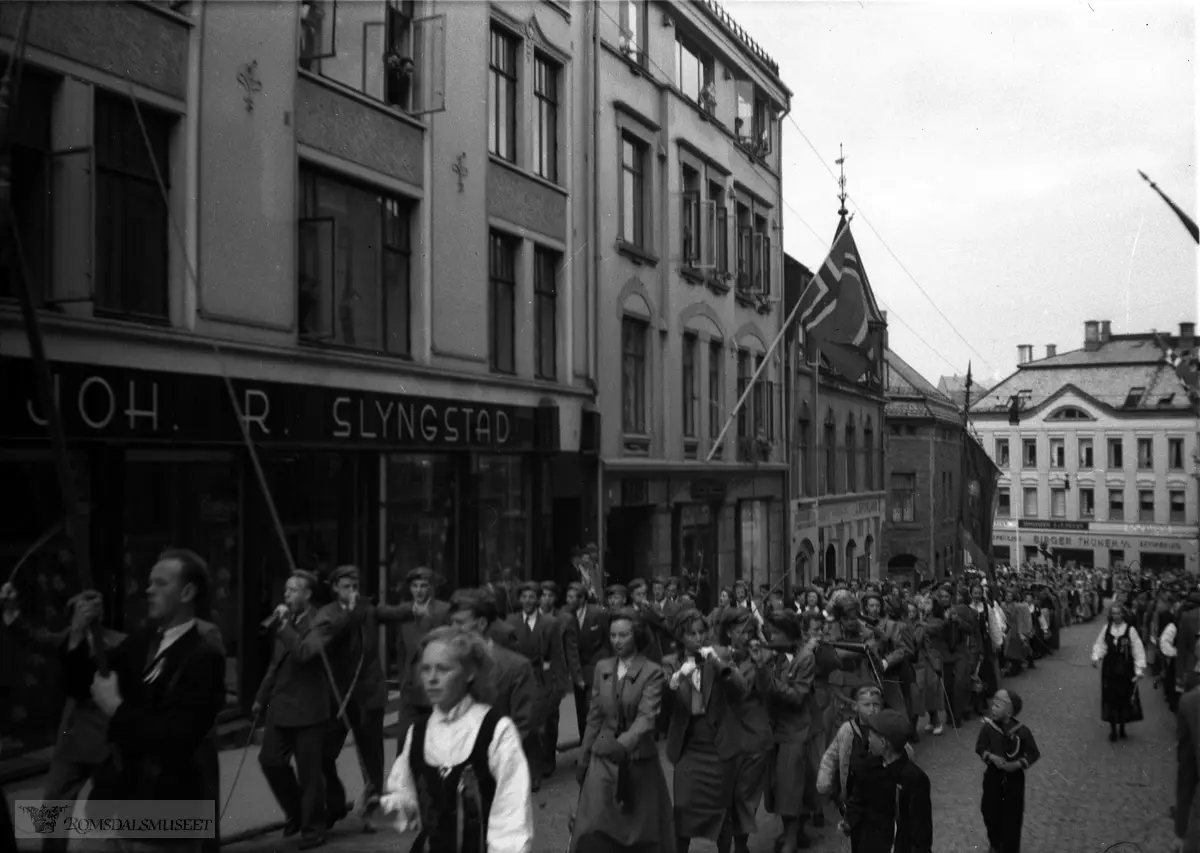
[[1119, 700], [1003, 808], [749, 779], [602, 826], [787, 778], [704, 785]]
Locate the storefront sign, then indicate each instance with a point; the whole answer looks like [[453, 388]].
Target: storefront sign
[[125, 404], [1097, 541], [709, 490], [1038, 524]]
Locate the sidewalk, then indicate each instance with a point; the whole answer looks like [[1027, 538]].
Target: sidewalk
[[252, 809]]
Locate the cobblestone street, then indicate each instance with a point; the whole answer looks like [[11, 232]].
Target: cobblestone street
[[1084, 796]]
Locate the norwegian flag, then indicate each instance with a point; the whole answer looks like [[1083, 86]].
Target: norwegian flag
[[838, 312]]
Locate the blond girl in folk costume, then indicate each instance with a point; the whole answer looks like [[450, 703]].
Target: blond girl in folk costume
[[461, 778], [1119, 649]]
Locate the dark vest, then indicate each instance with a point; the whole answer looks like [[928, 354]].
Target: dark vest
[[468, 786]]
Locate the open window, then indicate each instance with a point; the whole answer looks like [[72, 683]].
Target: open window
[[414, 60], [318, 28]]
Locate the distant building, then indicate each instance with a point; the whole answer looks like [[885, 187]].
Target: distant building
[[1100, 465], [924, 456], [954, 388], [837, 460]]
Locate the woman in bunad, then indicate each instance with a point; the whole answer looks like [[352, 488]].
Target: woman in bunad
[[787, 679], [624, 804], [1119, 649], [927, 685], [461, 779], [701, 744]]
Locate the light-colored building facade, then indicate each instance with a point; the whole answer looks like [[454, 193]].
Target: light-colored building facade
[[1100, 467], [384, 207], [837, 442], [689, 264]]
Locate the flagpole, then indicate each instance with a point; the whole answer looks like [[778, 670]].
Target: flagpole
[[959, 559], [765, 361], [815, 422], [1187, 221]]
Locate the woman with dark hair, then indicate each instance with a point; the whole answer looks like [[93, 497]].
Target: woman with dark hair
[[624, 804], [461, 776], [1124, 661]]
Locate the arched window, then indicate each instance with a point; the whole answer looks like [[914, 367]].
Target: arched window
[[803, 442], [851, 548], [868, 456], [1069, 413], [829, 480], [851, 456], [830, 563]]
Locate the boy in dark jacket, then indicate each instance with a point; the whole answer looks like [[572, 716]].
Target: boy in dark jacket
[[889, 810]]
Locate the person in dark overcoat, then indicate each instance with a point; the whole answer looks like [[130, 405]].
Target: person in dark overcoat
[[889, 806], [592, 639], [535, 641]]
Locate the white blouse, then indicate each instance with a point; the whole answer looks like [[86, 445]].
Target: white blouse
[[1100, 648], [449, 739]]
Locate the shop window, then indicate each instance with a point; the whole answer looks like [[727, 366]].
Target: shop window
[[754, 551], [903, 497], [1116, 456], [33, 195], [1175, 454], [131, 214], [502, 517], [1178, 507], [1087, 503], [696, 548], [1003, 503], [545, 134], [1086, 461], [1002, 452], [502, 80], [1116, 504], [1145, 454], [355, 272], [1145, 505], [545, 288], [422, 521], [1030, 507]]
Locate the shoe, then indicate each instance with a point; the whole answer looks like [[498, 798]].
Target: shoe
[[292, 827], [1112, 737], [929, 728], [309, 842], [1121, 734], [937, 730], [335, 816]]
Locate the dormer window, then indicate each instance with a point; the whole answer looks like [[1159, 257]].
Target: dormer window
[[1135, 398]]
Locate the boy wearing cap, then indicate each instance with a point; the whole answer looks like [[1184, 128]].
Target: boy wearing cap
[[889, 807]]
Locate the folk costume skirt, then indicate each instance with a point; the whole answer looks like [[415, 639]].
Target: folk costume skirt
[[1119, 700], [787, 778], [601, 825], [704, 784]]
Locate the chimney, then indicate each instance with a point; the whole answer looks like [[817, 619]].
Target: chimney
[[1187, 335], [1105, 331], [1024, 354], [1091, 335], [1051, 350]]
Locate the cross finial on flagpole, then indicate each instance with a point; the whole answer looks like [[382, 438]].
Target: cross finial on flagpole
[[841, 164]]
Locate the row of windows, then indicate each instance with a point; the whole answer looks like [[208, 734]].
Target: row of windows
[[847, 459], [902, 495], [1085, 456], [504, 78], [1176, 500]]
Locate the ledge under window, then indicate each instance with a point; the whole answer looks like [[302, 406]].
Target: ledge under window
[[636, 445], [636, 253]]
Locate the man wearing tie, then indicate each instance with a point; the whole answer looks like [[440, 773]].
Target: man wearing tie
[[296, 697], [161, 696], [593, 644], [535, 640], [416, 618]]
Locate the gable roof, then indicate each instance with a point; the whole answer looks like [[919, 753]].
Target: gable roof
[[911, 395]]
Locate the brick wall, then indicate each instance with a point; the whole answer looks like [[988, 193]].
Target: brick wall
[[910, 452]]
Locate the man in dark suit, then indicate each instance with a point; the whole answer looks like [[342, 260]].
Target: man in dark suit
[[1187, 778], [296, 697], [564, 667], [591, 627], [161, 696], [475, 610], [348, 627], [535, 641], [416, 618], [1186, 636]]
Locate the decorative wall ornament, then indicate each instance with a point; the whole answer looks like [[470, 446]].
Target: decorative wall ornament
[[460, 168], [248, 79]]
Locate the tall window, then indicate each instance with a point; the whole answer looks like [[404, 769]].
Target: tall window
[[1116, 504], [719, 223], [745, 249], [716, 420], [1058, 453], [868, 456], [29, 177], [1178, 506], [545, 140], [1086, 460], [903, 497], [743, 379], [803, 443], [759, 399], [355, 265], [1145, 504], [1145, 454], [545, 290], [633, 375], [1029, 453], [851, 456], [1058, 503], [502, 79], [1175, 454], [1003, 503], [131, 213], [633, 182], [1116, 456], [1087, 503], [1002, 452], [693, 69], [690, 216], [689, 385], [829, 487], [502, 272], [633, 29], [1030, 507], [762, 256]]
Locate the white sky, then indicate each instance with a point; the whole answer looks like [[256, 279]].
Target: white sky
[[995, 150]]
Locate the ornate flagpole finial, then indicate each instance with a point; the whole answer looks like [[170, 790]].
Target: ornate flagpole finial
[[841, 164]]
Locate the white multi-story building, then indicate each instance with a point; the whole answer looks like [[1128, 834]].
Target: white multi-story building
[[1097, 449]]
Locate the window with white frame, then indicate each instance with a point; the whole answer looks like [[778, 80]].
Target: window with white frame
[[502, 273], [546, 263], [545, 138], [502, 95]]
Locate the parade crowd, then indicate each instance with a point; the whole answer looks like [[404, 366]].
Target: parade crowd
[[805, 701]]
